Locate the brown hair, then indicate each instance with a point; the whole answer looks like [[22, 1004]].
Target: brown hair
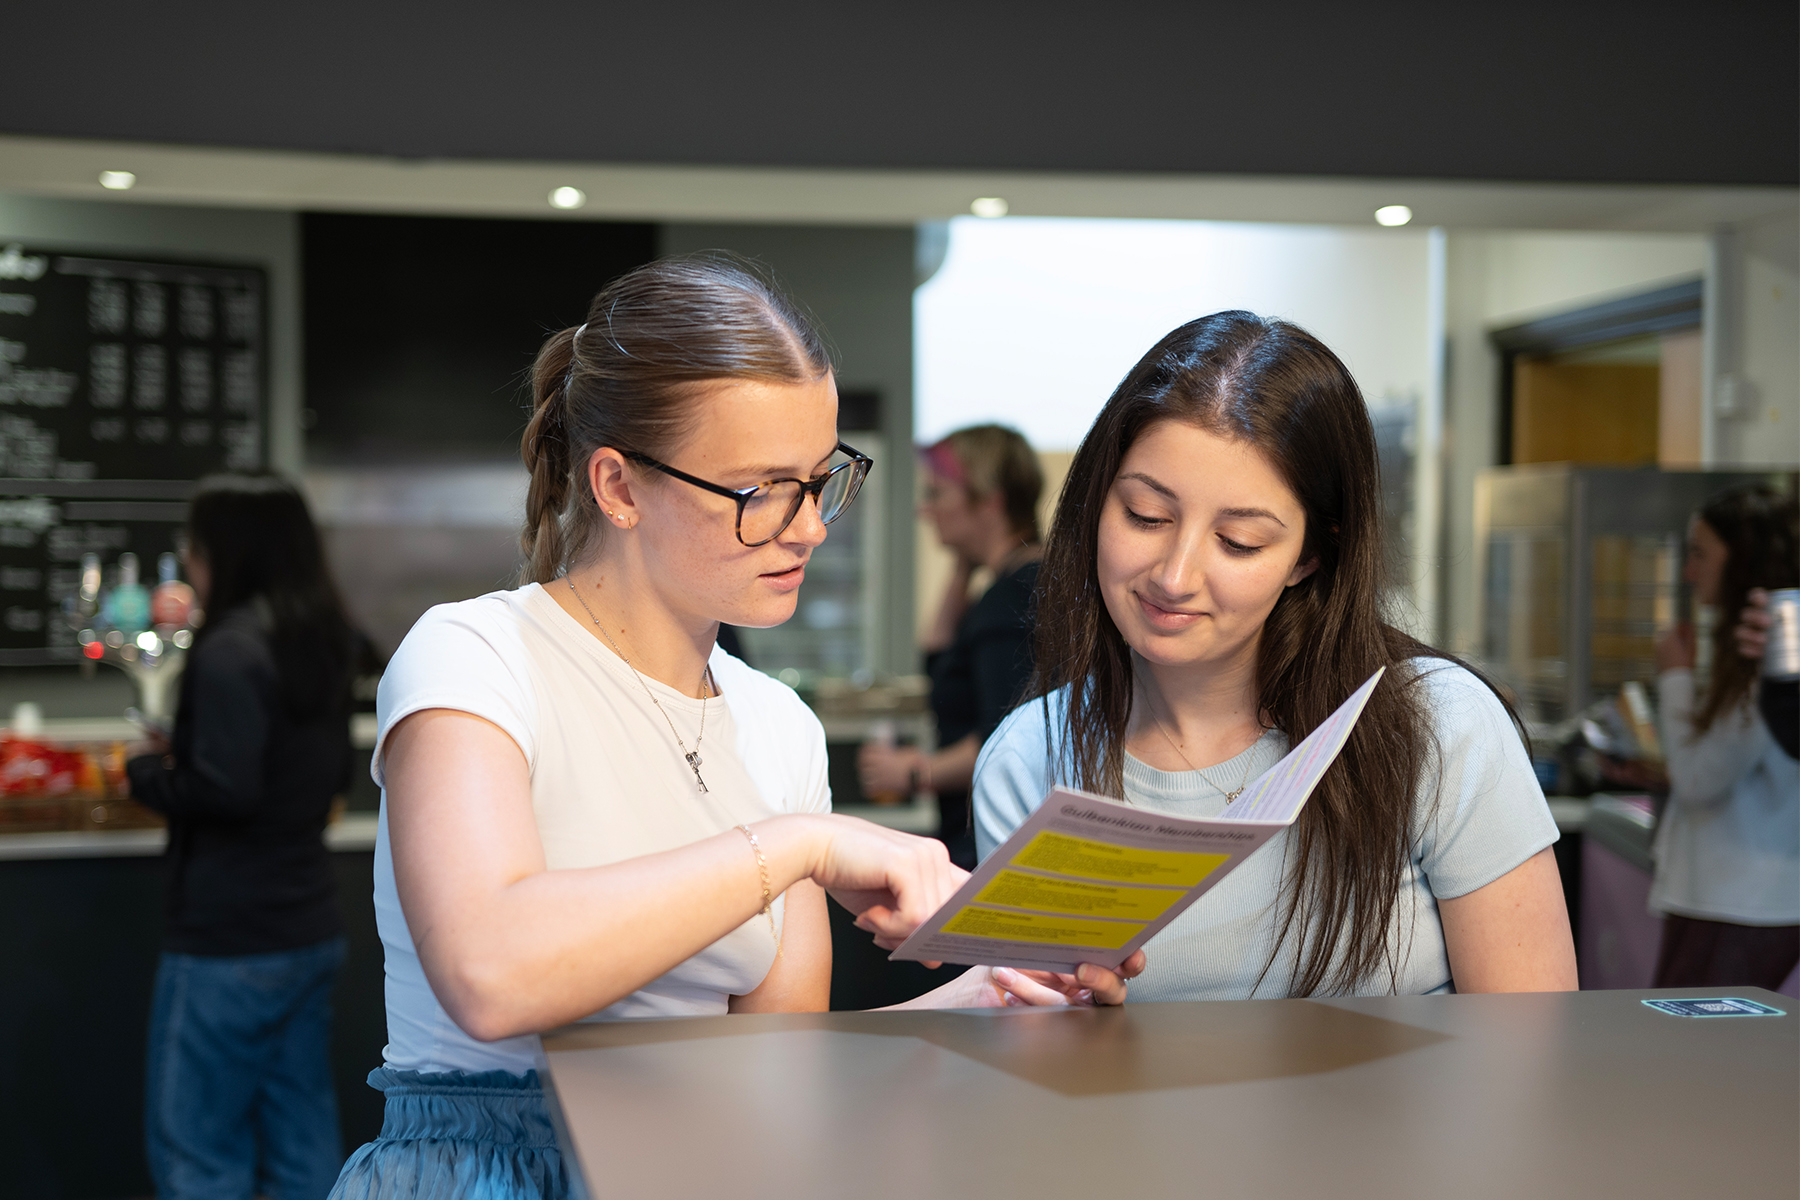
[[650, 337], [1277, 387], [990, 459], [1761, 531]]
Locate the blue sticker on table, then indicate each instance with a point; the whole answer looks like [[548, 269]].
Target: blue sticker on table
[[1721, 1006]]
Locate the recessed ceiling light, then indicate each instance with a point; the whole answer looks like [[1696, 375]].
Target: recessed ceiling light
[[118, 181], [1393, 214], [568, 197], [988, 206]]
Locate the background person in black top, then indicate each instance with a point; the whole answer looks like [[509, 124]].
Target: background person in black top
[[239, 1098], [981, 494]]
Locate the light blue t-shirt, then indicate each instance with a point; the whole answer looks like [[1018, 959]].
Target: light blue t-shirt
[[1481, 813]]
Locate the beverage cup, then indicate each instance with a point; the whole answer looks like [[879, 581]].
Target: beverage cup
[[1781, 659]]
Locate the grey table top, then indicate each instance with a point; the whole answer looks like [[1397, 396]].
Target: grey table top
[[1579, 1094]]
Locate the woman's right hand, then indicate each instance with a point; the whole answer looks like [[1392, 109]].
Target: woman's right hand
[[1752, 632], [892, 881]]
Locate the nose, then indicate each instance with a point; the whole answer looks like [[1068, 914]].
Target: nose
[[1180, 574], [806, 529]]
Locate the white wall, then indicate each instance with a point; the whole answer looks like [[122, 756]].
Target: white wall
[[1033, 322], [1522, 276], [1766, 312], [264, 238]]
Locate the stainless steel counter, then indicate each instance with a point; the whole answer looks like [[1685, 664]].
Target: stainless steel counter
[[352, 832]]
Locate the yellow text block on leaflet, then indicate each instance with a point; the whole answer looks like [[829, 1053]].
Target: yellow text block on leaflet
[[975, 921], [1102, 860], [1018, 890]]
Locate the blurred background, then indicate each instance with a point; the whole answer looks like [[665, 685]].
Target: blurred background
[[1559, 250]]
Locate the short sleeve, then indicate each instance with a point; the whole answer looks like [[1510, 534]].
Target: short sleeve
[[1486, 813], [1012, 776], [468, 657]]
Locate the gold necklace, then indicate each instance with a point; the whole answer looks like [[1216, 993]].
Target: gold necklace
[[706, 687], [1235, 792]]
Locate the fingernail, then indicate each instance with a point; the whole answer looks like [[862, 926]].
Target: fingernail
[[1004, 976]]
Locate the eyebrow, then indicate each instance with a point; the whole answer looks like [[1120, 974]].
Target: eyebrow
[[761, 473], [1239, 513], [1252, 512]]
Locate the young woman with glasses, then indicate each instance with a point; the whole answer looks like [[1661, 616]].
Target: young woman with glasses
[[590, 812]]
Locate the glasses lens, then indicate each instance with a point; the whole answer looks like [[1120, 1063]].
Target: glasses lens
[[840, 490], [768, 512]]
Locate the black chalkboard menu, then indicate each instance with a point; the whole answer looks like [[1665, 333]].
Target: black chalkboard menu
[[122, 382]]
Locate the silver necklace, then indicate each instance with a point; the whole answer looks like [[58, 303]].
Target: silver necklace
[[1234, 793], [706, 688]]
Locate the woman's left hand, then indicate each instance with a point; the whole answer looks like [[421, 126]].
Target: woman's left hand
[[997, 987], [1675, 648]]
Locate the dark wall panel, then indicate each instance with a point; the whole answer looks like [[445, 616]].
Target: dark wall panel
[[78, 953], [1534, 89], [420, 331]]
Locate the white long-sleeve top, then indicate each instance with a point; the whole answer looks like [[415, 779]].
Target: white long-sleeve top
[[1728, 847]]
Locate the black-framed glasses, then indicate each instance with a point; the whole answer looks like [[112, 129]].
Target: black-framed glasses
[[768, 508]]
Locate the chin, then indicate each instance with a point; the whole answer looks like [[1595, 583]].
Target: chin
[[764, 613]]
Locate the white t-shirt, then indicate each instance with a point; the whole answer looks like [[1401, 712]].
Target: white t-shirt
[[1481, 814], [1728, 846], [608, 783]]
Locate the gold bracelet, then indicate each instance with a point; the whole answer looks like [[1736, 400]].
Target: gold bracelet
[[762, 867]]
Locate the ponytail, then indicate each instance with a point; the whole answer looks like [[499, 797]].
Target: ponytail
[[657, 331], [545, 449]]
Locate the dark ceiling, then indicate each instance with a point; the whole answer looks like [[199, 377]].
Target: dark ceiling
[[1532, 90]]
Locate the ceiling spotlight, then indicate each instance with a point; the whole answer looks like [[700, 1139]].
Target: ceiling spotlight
[[988, 206], [118, 181], [1393, 214], [568, 197]]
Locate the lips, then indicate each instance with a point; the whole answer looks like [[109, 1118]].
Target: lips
[[788, 580], [1167, 619]]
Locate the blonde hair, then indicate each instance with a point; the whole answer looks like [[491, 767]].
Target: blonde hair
[[625, 378], [990, 459]]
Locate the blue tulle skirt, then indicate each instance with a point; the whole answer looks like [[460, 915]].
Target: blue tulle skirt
[[475, 1135]]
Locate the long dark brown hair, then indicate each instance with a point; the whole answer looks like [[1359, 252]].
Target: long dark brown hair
[[261, 546], [1761, 531], [1277, 387], [651, 336]]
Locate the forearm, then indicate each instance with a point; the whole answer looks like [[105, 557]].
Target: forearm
[[554, 946], [185, 794], [952, 769]]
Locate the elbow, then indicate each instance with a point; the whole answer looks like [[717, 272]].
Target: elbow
[[487, 1015], [483, 999]]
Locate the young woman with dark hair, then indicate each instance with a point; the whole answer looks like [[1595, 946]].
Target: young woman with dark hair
[[1209, 595], [240, 1096], [589, 811], [1728, 846]]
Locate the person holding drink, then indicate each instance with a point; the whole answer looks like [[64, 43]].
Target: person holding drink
[[981, 494], [1727, 850]]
